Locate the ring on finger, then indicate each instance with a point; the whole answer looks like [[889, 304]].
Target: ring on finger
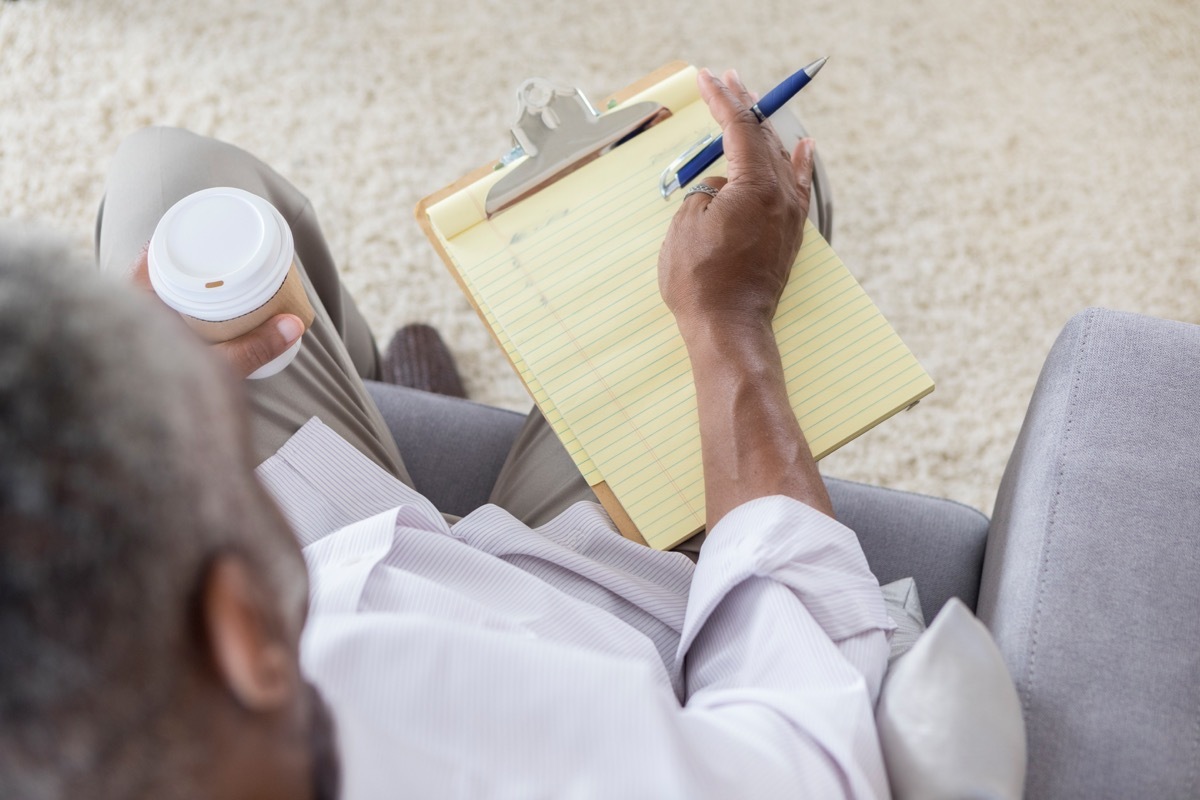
[[701, 188], [758, 113]]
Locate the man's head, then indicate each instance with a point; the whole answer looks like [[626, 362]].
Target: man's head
[[151, 595]]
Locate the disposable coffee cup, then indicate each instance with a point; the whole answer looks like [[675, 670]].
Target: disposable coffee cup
[[225, 260]]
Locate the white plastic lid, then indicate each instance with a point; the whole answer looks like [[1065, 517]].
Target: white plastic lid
[[219, 253]]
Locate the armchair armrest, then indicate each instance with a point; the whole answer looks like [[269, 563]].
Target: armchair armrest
[[1091, 580], [937, 542]]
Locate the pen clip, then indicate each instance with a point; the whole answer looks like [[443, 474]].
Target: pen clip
[[667, 182]]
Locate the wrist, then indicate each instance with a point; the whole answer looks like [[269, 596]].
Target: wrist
[[727, 332], [724, 349]]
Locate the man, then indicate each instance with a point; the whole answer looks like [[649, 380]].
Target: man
[[153, 621]]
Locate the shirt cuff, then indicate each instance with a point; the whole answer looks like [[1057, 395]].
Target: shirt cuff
[[786, 541]]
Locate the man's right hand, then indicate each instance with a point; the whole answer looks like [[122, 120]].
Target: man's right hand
[[722, 270], [727, 258]]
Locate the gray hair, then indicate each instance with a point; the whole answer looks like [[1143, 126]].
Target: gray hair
[[123, 473]]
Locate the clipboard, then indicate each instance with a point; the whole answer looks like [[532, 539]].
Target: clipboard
[[552, 134], [549, 170]]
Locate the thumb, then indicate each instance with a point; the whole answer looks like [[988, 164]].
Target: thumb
[[252, 350]]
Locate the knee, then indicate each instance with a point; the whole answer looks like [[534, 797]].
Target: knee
[[148, 141], [180, 162]]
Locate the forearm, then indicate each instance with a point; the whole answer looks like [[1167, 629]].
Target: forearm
[[751, 442], [766, 672], [786, 626]]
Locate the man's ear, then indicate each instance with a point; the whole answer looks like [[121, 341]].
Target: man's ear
[[245, 636]]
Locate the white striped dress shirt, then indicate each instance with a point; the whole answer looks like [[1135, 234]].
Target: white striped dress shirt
[[487, 659]]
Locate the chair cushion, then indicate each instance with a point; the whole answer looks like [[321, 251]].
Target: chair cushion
[[949, 719]]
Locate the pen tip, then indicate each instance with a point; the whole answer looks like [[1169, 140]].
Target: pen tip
[[815, 67]]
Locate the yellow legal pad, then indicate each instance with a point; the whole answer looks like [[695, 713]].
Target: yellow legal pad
[[567, 281]]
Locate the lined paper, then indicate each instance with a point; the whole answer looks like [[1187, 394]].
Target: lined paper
[[550, 411], [568, 280]]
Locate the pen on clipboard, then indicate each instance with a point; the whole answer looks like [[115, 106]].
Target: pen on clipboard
[[688, 166]]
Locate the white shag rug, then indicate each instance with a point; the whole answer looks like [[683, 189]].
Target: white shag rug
[[997, 167]]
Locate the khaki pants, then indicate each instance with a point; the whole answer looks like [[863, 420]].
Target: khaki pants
[[156, 167]]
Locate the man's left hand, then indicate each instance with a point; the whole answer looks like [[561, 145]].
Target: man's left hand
[[248, 352]]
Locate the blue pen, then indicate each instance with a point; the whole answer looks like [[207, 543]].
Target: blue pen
[[771, 102]]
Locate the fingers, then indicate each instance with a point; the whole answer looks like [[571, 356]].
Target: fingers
[[739, 126], [753, 150], [700, 200], [727, 109], [257, 348], [734, 82], [802, 169], [139, 272], [750, 99], [248, 352]]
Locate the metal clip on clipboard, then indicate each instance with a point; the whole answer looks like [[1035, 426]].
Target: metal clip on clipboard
[[559, 131]]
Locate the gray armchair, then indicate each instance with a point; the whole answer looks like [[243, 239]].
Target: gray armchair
[[1088, 575]]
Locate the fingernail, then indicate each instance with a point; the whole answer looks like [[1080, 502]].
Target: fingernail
[[737, 78], [289, 328]]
